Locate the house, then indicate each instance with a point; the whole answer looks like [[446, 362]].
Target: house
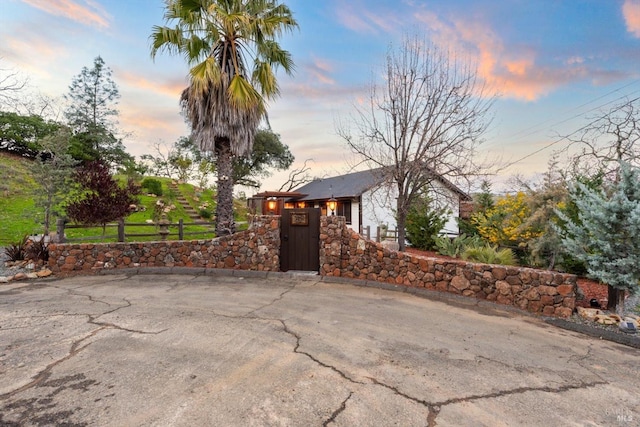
[[364, 199]]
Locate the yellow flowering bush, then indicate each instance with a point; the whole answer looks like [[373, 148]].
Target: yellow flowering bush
[[504, 223]]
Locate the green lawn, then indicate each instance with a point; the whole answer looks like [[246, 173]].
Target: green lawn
[[19, 216]]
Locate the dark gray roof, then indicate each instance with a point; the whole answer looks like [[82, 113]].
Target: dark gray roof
[[343, 186], [354, 184]]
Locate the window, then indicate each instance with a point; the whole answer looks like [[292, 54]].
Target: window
[[344, 209]]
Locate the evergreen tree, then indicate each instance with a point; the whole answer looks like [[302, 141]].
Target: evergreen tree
[[607, 236], [92, 115], [424, 223]]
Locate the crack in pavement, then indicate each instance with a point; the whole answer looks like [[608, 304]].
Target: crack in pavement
[[297, 350], [338, 411], [46, 372], [435, 407], [275, 300], [75, 346]]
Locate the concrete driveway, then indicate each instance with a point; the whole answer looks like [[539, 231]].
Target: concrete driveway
[[287, 350]]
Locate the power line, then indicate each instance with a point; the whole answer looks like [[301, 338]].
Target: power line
[[520, 132], [552, 143], [560, 139]]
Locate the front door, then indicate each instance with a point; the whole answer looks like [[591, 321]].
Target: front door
[[300, 240]]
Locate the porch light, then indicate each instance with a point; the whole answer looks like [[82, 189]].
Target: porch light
[[271, 204], [332, 204]]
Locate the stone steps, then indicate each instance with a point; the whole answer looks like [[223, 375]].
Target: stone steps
[[188, 209]]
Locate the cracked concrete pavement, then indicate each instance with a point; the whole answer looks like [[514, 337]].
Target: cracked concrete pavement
[[292, 350]]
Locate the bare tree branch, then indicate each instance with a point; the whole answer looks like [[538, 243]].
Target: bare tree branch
[[609, 137], [297, 177], [11, 84]]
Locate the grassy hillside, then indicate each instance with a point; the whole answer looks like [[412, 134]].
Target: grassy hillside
[[19, 216]]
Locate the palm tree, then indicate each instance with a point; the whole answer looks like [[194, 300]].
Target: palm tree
[[231, 48]]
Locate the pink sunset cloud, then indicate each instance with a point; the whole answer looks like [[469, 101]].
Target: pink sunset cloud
[[357, 17], [172, 88], [86, 12], [511, 73], [631, 13], [321, 71]]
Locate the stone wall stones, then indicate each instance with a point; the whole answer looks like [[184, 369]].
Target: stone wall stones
[[257, 248], [347, 254]]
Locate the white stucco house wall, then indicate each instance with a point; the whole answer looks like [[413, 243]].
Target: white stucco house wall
[[367, 202]]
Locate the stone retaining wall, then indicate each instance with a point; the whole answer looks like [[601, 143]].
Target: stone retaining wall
[[257, 248], [345, 253]]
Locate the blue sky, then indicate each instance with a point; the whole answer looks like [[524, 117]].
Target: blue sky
[[552, 62]]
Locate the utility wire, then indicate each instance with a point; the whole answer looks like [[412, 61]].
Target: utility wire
[[520, 132], [560, 139]]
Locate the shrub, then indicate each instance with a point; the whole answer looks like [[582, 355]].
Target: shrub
[[16, 251], [204, 213], [37, 250], [424, 223], [152, 185], [490, 255], [102, 200], [455, 247]]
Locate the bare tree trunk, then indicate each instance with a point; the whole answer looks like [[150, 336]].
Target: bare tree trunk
[[225, 223], [400, 232], [615, 299]]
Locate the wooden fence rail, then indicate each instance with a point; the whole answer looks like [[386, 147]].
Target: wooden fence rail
[[162, 230], [381, 233]]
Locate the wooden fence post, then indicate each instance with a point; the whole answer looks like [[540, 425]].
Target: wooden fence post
[[181, 229], [121, 230], [60, 229]]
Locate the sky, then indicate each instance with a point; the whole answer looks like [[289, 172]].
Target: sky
[[552, 64]]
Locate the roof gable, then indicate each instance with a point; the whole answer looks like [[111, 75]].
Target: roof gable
[[343, 186], [355, 184]]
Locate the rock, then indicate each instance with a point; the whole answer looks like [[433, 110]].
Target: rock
[[4, 279], [603, 319], [44, 273], [503, 287], [20, 276], [588, 313], [460, 283]]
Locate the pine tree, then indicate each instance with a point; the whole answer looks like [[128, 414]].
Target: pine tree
[[92, 114], [607, 236]]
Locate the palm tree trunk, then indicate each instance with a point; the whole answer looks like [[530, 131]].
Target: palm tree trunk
[[225, 223]]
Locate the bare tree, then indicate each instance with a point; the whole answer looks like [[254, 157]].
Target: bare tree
[[609, 137], [297, 177], [11, 85], [425, 120]]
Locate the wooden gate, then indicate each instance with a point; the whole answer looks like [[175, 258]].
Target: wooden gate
[[300, 240]]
